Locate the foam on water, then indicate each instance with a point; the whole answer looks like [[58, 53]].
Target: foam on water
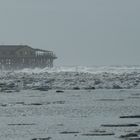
[[99, 77], [84, 69]]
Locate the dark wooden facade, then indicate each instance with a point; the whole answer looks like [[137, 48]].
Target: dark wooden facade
[[23, 56]]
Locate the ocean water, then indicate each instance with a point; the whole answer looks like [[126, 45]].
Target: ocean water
[[92, 98], [113, 77], [85, 69]]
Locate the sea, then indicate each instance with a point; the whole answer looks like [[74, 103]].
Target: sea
[[70, 103]]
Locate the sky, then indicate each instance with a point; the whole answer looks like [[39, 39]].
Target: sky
[[80, 32]]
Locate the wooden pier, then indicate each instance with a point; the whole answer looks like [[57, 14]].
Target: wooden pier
[[13, 57]]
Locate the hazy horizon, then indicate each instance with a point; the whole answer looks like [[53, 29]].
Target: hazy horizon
[[80, 32]]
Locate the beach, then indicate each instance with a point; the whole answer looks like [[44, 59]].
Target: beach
[[72, 114], [71, 103]]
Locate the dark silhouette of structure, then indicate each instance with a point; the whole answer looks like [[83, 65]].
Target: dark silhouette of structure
[[23, 56]]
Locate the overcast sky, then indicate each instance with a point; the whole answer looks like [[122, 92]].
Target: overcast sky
[[80, 32]]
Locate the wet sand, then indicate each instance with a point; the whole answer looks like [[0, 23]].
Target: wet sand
[[70, 115]]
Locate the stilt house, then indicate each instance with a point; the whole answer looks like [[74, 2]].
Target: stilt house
[[24, 56]]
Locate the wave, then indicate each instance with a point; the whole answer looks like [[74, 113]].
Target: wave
[[79, 77], [83, 69]]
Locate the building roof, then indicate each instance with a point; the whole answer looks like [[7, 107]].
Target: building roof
[[9, 50], [11, 47]]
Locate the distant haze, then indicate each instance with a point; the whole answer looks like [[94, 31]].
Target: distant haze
[[80, 32]]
